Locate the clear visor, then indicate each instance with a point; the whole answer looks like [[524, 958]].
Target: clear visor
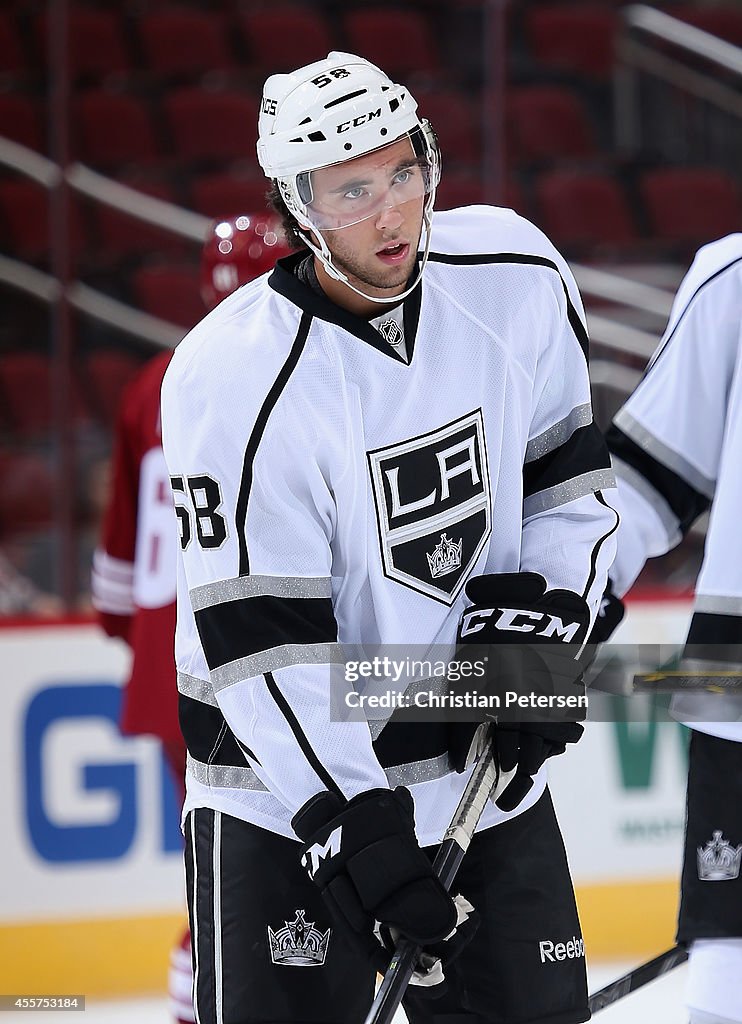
[[353, 191]]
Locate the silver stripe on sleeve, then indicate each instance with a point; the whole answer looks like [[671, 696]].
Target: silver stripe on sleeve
[[718, 604], [276, 658], [662, 453], [570, 490], [642, 486], [418, 771], [235, 777], [216, 874], [223, 776], [196, 689], [546, 442], [259, 586]]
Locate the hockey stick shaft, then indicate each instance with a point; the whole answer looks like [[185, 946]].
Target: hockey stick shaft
[[447, 861], [637, 978]]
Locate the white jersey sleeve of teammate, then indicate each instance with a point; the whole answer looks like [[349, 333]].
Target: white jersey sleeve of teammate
[[677, 449]]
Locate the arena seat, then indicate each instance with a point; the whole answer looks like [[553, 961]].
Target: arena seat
[[114, 129], [691, 205], [224, 195], [20, 120], [99, 47], [169, 292], [547, 122], [572, 38], [584, 209], [401, 42], [456, 119], [210, 126], [107, 372], [303, 32], [184, 42]]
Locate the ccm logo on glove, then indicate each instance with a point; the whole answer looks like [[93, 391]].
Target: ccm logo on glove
[[313, 857], [519, 620]]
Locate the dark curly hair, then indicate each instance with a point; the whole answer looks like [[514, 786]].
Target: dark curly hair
[[288, 221]]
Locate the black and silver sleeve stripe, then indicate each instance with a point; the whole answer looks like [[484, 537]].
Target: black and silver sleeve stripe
[[677, 486], [564, 463]]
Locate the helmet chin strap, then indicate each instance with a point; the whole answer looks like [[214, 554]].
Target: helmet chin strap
[[324, 255]]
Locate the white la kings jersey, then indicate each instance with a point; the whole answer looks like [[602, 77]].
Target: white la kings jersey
[[331, 493], [677, 450]]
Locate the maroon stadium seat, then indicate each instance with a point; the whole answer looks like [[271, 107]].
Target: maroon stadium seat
[[170, 292], [456, 120], [224, 195], [547, 122], [584, 209], [12, 57], [182, 42], [573, 38], [284, 37], [107, 374], [212, 126], [400, 42], [20, 120], [26, 390], [114, 129], [25, 385], [691, 205], [26, 494], [98, 43], [24, 220]]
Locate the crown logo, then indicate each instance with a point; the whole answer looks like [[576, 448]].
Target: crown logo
[[392, 332], [718, 861], [445, 558], [298, 943]]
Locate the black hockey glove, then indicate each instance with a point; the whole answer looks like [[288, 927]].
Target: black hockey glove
[[377, 881], [530, 637], [610, 614]]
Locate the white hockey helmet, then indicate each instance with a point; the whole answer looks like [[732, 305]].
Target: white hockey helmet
[[332, 111]]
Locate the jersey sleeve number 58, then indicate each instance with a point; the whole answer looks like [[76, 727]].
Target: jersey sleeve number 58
[[199, 502]]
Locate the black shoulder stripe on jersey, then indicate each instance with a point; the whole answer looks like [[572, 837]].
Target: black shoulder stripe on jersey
[[596, 548], [584, 451], [536, 261], [284, 281], [207, 735], [299, 735], [685, 501], [714, 628], [238, 629], [660, 352], [257, 433]]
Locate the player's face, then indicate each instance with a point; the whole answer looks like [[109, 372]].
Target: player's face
[[384, 193]]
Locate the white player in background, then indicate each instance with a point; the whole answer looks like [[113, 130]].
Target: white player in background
[[676, 446]]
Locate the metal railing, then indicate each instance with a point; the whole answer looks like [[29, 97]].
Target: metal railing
[[677, 91]]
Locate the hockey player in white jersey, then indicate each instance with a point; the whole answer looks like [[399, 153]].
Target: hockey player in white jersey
[[677, 450], [390, 430]]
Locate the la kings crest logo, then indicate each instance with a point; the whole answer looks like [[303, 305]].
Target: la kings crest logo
[[433, 506]]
